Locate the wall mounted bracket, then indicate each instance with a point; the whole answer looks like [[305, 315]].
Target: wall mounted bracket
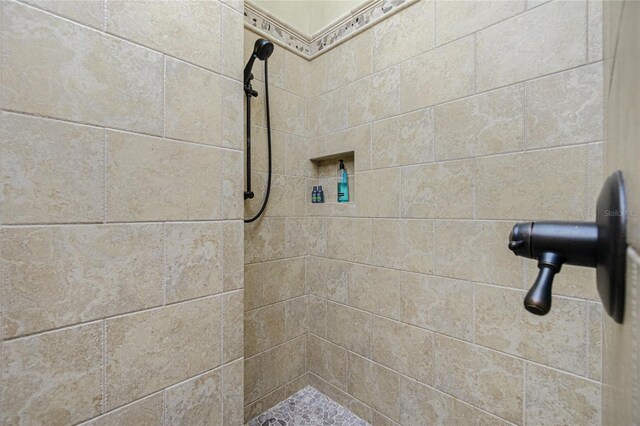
[[601, 244]]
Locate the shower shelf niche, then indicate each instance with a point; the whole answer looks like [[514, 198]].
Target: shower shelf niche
[[324, 172]]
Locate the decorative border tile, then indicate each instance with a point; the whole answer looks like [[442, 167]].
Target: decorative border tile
[[327, 38]]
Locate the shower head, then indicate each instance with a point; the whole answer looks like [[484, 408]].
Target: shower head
[[262, 49]]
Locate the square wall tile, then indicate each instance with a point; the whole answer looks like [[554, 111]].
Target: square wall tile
[[53, 171]]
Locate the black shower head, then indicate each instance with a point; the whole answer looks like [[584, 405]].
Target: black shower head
[[262, 49]]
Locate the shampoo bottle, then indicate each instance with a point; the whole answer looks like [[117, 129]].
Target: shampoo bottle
[[343, 184]]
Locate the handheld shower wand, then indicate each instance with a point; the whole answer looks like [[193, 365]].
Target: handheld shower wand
[[262, 50]]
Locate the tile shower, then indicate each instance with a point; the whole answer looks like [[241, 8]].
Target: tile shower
[[133, 294]]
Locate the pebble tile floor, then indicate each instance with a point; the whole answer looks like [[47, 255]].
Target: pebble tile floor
[[308, 407]]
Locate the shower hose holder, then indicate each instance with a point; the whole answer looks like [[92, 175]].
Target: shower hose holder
[[601, 244]]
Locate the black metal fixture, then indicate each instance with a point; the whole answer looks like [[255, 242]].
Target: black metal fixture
[[262, 50], [601, 244]]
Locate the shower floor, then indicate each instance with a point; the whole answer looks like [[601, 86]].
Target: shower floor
[[308, 407]]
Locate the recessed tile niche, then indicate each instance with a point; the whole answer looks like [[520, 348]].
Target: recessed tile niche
[[325, 173]]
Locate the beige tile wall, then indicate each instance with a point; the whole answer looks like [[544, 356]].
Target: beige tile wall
[[122, 241], [276, 245], [621, 369], [467, 117]]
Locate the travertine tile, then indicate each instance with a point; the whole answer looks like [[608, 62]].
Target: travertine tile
[[306, 236], [439, 304], [259, 152], [457, 253], [264, 328], [53, 378], [594, 340], [52, 171], [328, 278], [276, 281], [193, 100], [595, 176], [402, 140], [188, 30], [56, 68], [382, 420], [533, 192], [328, 113], [232, 114], [297, 161], [146, 411], [157, 179], [513, 51], [328, 361], [401, 347], [197, 401], [272, 369], [290, 115], [264, 239], [233, 326], [350, 61], [489, 123], [565, 108], [479, 376], [420, 404], [147, 351], [349, 328], [403, 244], [558, 398], [88, 12], [377, 290], [56, 276], [233, 255], [350, 239], [455, 19], [440, 190], [233, 393], [442, 74], [374, 97], [232, 44], [404, 35], [296, 77], [288, 196], [232, 184], [375, 385], [317, 316], [317, 80], [338, 396], [194, 260], [556, 339], [379, 193], [594, 39], [295, 317]]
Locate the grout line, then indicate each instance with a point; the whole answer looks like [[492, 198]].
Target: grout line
[[165, 265], [104, 176], [404, 376], [105, 11], [524, 394], [116, 129], [104, 368], [164, 96], [458, 339]]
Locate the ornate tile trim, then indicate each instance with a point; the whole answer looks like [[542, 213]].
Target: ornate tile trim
[[340, 30]]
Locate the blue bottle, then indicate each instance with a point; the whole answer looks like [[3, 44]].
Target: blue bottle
[[320, 194], [343, 184]]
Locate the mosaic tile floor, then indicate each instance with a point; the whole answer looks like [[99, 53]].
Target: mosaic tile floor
[[308, 407]]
